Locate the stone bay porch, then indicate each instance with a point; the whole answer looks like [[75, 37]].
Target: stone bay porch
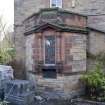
[[56, 43]]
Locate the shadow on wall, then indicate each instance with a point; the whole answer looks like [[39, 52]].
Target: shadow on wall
[[19, 69]]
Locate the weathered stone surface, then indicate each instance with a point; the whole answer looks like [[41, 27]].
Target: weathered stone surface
[[73, 46], [79, 65], [24, 8], [67, 85], [96, 42], [29, 53], [76, 51]]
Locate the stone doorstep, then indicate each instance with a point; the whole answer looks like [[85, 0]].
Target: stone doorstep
[[87, 101]]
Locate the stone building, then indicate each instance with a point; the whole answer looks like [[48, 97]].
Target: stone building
[[52, 38]]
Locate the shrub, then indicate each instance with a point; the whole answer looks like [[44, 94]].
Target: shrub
[[6, 55], [94, 81]]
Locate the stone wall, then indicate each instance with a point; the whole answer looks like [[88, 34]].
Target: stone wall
[[76, 54], [73, 55], [29, 52], [70, 49], [65, 86], [96, 42], [55, 16], [96, 45], [24, 8]]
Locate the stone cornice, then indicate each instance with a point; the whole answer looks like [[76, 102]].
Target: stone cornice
[[58, 28]]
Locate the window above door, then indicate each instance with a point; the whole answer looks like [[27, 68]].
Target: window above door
[[56, 3]]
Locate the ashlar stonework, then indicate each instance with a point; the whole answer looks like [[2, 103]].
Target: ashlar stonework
[[70, 49], [52, 43]]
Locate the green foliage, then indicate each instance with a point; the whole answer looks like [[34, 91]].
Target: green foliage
[[94, 77], [6, 55], [95, 83], [7, 43]]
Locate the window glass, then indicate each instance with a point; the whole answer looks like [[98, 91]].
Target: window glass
[[49, 50], [56, 3]]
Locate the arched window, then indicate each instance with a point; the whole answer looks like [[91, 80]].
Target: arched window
[[56, 3]]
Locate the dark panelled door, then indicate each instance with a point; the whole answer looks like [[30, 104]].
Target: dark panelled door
[[49, 50]]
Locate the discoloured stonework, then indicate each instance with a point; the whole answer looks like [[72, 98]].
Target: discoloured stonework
[[72, 42], [96, 42], [24, 8], [65, 86], [29, 52], [70, 53]]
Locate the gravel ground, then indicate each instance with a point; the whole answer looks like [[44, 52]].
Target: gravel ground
[[63, 103], [55, 99], [52, 102], [60, 102]]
